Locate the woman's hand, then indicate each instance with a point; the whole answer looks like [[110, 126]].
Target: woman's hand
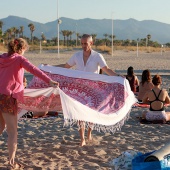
[[53, 83]]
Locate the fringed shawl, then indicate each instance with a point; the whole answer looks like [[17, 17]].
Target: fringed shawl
[[100, 101]]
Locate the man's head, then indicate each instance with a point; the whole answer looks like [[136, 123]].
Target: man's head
[[86, 42]]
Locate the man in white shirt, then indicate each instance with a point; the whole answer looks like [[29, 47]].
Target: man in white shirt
[[90, 61]]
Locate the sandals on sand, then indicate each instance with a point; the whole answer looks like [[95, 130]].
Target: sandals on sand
[[15, 166]]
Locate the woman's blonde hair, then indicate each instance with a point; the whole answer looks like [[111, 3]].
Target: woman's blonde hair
[[17, 45]]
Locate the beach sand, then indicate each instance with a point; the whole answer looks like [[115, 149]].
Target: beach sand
[[45, 144]]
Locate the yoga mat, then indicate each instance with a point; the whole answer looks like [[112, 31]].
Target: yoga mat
[[159, 155]]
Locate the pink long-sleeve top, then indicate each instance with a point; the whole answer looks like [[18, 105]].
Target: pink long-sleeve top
[[12, 73]]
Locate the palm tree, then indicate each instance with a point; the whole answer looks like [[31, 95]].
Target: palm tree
[[64, 33], [67, 35], [105, 35], [110, 36], [71, 33], [1, 24], [21, 30], [77, 37], [126, 42], [14, 31], [94, 37], [148, 38], [32, 29], [17, 32], [9, 33]]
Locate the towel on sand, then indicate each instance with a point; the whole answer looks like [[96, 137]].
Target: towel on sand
[[144, 121]]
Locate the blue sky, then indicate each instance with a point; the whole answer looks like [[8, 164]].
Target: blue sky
[[46, 10]]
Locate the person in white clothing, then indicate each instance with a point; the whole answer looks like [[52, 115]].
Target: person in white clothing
[[94, 61], [88, 60]]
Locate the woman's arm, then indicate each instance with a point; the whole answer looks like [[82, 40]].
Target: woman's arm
[[37, 72], [151, 85], [145, 98], [136, 81], [167, 99]]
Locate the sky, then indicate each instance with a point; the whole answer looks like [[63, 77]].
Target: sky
[[44, 11]]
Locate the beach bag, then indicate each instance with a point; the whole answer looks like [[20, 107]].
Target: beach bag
[[124, 161], [138, 163]]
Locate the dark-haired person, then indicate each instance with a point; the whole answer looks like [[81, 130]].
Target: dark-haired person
[[156, 98], [132, 78], [12, 65], [88, 60], [145, 84]]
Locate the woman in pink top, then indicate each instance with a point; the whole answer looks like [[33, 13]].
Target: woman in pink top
[[12, 65], [145, 84]]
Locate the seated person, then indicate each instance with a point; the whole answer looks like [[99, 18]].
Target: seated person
[[132, 78], [145, 84], [156, 98], [31, 114]]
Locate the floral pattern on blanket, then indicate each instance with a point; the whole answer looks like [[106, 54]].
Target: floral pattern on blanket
[[100, 96], [41, 103]]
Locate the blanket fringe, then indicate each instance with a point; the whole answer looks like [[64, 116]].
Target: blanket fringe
[[98, 127]]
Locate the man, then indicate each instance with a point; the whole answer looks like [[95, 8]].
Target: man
[[90, 61]]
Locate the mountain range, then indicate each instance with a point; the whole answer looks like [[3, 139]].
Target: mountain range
[[131, 29]]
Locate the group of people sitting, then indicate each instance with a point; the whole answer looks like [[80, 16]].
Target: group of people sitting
[[149, 91]]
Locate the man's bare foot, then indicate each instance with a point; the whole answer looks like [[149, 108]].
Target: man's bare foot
[[82, 143], [89, 137]]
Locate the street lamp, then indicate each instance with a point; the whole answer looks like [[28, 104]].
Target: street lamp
[[40, 42], [76, 35], [112, 34], [161, 48], [137, 47], [58, 23]]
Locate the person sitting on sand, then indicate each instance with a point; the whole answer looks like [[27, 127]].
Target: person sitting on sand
[[145, 84], [156, 98], [31, 114], [132, 78]]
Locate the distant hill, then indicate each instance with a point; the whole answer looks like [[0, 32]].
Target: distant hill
[[123, 29]]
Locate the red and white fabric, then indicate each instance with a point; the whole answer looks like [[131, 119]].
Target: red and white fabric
[[102, 102]]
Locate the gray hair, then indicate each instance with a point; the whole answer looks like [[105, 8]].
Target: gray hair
[[87, 36]]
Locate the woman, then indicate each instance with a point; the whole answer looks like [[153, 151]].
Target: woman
[[133, 80], [145, 84], [12, 65], [156, 98]]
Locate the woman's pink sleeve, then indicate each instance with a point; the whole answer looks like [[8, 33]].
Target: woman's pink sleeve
[[34, 70]]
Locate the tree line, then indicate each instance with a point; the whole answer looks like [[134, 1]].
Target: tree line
[[68, 41]]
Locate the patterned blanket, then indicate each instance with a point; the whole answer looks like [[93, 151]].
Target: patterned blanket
[[102, 102]]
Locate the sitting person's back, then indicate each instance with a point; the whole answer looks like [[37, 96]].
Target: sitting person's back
[[145, 84], [132, 78], [156, 98]]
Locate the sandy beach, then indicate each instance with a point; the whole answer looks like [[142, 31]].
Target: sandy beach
[[44, 144]]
